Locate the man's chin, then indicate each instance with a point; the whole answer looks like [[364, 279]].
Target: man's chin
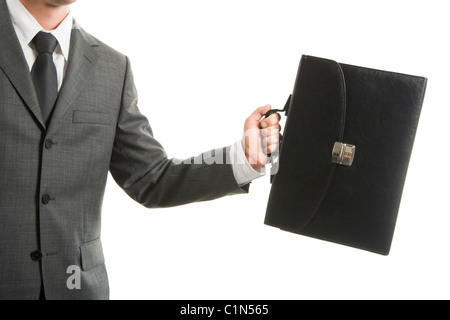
[[59, 3]]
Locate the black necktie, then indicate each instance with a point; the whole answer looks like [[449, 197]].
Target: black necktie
[[44, 73]]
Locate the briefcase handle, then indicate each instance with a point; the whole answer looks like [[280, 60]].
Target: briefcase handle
[[285, 109]]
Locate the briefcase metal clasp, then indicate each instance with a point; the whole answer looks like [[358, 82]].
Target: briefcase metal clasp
[[343, 153]]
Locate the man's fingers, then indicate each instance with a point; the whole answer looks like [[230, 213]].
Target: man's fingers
[[272, 143], [271, 130], [270, 121], [259, 113], [272, 148], [271, 140]]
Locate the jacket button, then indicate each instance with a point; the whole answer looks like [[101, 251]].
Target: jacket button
[[36, 255], [45, 199], [48, 143]]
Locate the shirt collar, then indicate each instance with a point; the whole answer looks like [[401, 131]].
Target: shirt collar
[[27, 27]]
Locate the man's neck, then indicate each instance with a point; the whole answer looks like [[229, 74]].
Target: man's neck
[[48, 16]]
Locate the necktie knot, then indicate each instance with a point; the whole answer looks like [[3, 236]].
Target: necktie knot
[[45, 42]]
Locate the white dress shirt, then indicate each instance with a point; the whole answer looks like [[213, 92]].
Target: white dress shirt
[[27, 27]]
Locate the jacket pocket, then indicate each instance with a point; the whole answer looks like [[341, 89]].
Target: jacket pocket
[[91, 254], [91, 117]]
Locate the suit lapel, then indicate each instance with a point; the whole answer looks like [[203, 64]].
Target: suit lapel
[[14, 65], [82, 56], [12, 61]]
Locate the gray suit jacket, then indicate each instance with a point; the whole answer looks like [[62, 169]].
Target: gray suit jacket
[[52, 179]]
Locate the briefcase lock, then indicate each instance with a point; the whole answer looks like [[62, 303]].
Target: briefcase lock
[[343, 153]]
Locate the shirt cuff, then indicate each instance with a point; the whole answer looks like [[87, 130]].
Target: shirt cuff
[[242, 170]]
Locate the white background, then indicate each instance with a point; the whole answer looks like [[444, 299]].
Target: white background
[[201, 67]]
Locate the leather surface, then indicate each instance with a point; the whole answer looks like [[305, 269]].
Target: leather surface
[[378, 112]]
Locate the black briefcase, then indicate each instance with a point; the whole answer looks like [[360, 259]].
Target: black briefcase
[[345, 152]]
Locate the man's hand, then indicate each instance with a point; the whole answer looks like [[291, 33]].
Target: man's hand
[[261, 137]]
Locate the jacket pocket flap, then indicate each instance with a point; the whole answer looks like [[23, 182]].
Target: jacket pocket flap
[[91, 117], [91, 254]]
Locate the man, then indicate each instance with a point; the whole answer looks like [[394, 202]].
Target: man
[[68, 115]]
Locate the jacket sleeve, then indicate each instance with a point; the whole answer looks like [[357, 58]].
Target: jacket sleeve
[[140, 165]]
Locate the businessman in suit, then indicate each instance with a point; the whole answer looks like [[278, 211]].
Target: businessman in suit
[[68, 116]]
